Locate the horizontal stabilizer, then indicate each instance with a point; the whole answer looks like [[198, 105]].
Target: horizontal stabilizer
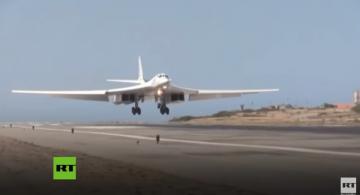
[[124, 81]]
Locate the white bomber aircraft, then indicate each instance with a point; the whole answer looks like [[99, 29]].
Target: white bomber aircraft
[[159, 88]]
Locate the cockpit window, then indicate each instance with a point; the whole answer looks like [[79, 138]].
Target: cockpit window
[[163, 75]]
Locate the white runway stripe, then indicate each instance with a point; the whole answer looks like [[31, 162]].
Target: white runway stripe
[[254, 146], [109, 127]]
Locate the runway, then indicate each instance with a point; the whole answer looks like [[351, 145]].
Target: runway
[[280, 161], [137, 137]]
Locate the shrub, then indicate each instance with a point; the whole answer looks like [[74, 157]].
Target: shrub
[[224, 113], [248, 111], [327, 105], [356, 108], [183, 118]]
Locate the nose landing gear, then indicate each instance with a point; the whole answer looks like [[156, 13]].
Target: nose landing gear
[[136, 109], [161, 105], [164, 110]]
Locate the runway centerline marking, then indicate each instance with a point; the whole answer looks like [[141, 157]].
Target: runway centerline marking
[[197, 142]]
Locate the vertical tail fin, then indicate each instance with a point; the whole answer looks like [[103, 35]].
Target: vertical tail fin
[[141, 73], [140, 79]]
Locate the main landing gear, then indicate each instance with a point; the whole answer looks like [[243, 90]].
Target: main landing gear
[[136, 110], [163, 109]]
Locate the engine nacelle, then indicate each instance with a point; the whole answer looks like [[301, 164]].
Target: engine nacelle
[[122, 98], [174, 97]]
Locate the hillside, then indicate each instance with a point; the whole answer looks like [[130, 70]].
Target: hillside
[[281, 117]]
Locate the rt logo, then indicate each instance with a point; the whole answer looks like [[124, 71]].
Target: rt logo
[[64, 168], [348, 185]]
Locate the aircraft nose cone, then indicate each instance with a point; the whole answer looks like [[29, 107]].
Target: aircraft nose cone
[[165, 81]]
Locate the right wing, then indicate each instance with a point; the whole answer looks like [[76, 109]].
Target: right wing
[[94, 95]]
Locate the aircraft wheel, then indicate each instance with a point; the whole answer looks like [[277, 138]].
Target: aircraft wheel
[[133, 111], [161, 111], [138, 111], [167, 110]]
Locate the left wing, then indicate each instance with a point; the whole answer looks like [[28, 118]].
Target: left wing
[[212, 94], [200, 94]]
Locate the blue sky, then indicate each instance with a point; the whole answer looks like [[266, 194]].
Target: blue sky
[[308, 49]]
